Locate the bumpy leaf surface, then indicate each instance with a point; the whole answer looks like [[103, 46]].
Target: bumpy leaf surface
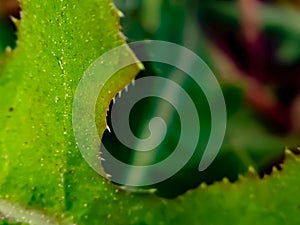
[[42, 174]]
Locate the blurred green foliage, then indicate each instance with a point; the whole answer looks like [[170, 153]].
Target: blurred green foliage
[[7, 34], [57, 181], [249, 141]]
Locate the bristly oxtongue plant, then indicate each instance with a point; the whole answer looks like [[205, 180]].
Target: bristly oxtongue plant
[[43, 177]]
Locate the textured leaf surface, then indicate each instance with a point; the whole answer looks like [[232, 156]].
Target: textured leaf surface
[[40, 166], [42, 172]]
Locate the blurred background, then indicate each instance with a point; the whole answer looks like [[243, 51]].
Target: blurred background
[[252, 46], [256, 42], [8, 9]]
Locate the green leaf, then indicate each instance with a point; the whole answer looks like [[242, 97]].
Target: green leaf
[[40, 165], [43, 175]]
